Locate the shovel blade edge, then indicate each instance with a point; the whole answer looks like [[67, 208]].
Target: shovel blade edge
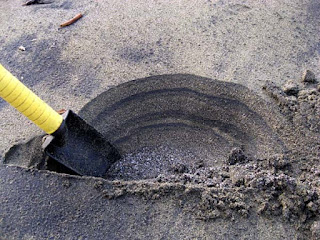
[[81, 148]]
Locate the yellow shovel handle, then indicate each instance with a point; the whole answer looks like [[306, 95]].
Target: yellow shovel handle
[[29, 104]]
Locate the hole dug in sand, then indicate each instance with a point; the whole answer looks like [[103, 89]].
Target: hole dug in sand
[[167, 124]]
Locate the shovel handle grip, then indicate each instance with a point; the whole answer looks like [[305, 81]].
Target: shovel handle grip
[[29, 104]]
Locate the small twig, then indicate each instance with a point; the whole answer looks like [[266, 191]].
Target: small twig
[[61, 111], [71, 21]]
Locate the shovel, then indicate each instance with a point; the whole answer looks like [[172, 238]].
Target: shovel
[[72, 141]]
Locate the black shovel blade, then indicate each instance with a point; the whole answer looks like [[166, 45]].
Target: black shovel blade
[[81, 148]]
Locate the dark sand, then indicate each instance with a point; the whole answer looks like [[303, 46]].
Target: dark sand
[[202, 159]]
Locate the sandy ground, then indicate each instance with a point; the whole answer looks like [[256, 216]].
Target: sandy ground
[[245, 42]]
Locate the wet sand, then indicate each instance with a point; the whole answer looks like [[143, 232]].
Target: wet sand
[[214, 151], [263, 184]]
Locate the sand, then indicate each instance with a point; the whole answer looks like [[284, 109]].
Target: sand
[[214, 150], [240, 192]]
